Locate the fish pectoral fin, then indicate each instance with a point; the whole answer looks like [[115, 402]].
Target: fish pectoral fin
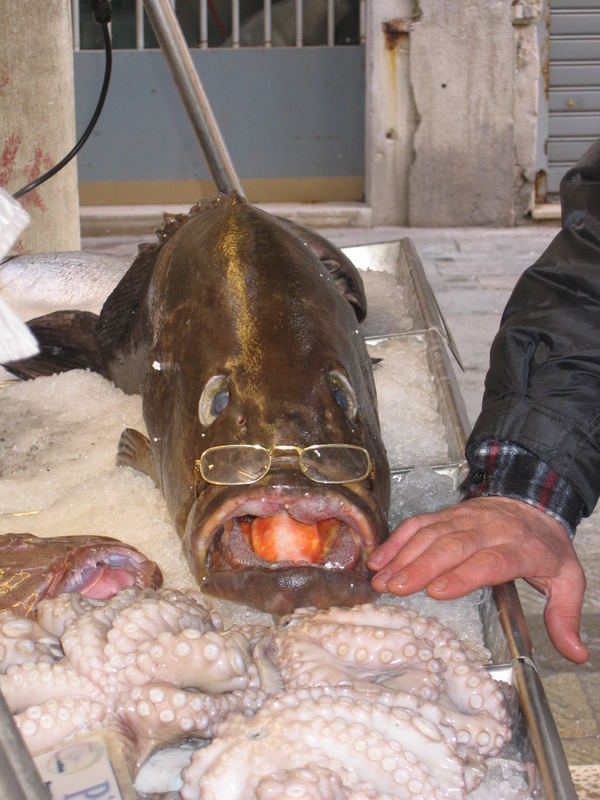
[[67, 340], [135, 450]]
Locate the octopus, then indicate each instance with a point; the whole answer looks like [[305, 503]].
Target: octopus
[[153, 666], [374, 701]]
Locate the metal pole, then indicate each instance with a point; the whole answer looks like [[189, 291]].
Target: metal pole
[[176, 52], [19, 778], [139, 25]]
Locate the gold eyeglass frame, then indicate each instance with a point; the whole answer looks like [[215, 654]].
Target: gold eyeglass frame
[[199, 474]]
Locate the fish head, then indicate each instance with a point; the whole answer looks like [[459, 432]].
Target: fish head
[[33, 568], [264, 358]]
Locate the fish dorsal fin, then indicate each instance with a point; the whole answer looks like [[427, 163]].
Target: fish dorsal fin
[[135, 451], [173, 222], [342, 270], [118, 312]]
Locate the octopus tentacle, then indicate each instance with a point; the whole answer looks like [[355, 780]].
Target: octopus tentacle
[[426, 685], [44, 682], [211, 661], [293, 738], [143, 620], [314, 783], [482, 731], [83, 644], [23, 640], [468, 684], [406, 726], [57, 613], [43, 726], [433, 648], [337, 645], [159, 714]]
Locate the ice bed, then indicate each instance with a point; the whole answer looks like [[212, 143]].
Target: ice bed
[[424, 426]]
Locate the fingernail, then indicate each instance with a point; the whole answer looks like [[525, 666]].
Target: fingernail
[[374, 561], [438, 585], [399, 580], [382, 578]]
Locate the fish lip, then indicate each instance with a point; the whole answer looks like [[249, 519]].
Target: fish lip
[[355, 507], [279, 591]]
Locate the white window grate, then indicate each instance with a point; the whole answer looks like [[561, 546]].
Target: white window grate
[[227, 24]]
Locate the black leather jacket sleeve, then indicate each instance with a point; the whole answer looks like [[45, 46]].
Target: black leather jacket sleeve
[[542, 390]]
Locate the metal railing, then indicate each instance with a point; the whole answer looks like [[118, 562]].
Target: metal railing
[[220, 23]]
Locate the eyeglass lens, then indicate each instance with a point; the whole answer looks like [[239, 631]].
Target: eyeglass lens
[[239, 464]]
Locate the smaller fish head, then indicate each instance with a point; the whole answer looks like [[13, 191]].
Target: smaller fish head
[[34, 568]]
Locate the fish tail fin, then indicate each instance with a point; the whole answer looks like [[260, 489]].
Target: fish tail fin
[[67, 340]]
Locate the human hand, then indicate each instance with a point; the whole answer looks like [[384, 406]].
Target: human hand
[[483, 542]]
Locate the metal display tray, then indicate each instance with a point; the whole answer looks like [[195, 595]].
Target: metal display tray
[[535, 736]]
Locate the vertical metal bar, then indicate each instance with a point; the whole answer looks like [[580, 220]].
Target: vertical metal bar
[[75, 22], [299, 23], [139, 25], [177, 55], [267, 16], [235, 23], [19, 778], [545, 742], [203, 24], [330, 23], [362, 21]]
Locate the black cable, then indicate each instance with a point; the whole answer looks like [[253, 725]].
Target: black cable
[[84, 137]]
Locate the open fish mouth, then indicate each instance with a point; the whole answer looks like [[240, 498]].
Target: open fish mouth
[[282, 541], [281, 549], [101, 574]]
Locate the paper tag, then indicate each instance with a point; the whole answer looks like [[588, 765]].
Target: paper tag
[[82, 770], [13, 221]]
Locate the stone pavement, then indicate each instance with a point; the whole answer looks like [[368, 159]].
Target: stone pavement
[[472, 272]]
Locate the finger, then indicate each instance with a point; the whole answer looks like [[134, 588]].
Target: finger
[[380, 557], [415, 567], [487, 567], [562, 616]]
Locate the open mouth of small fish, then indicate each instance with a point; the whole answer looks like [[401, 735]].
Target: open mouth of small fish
[[104, 576]]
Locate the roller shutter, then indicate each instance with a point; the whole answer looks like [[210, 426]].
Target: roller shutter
[[573, 84]]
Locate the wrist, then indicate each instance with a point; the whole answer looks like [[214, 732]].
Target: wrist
[[504, 469]]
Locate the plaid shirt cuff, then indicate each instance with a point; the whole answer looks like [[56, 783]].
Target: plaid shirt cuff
[[505, 469]]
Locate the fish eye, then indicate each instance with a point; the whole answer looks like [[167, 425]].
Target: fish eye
[[213, 400], [343, 394]]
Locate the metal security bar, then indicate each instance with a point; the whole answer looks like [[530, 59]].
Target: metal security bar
[[222, 23]]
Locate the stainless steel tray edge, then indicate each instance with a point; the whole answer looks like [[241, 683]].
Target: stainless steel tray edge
[[544, 740]]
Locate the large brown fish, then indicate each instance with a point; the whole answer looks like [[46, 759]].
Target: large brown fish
[[241, 329], [33, 568]]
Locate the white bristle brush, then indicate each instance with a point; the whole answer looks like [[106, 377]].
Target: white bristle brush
[[16, 340]]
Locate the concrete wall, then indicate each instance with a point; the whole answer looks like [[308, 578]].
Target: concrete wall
[[37, 119], [390, 120], [452, 111]]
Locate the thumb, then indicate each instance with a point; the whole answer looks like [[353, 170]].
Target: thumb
[[562, 616]]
